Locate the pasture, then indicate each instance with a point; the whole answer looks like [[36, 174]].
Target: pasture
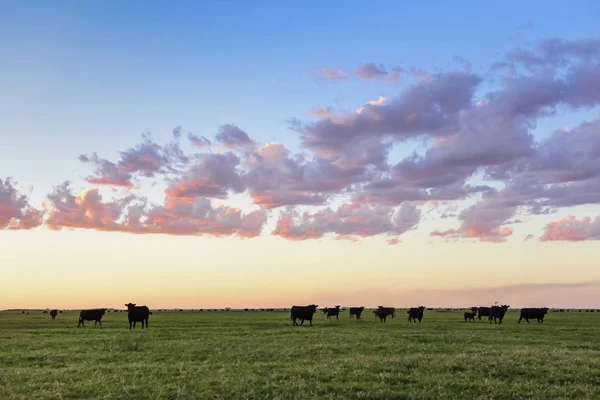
[[259, 355]]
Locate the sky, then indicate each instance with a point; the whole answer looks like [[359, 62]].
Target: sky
[[241, 154]]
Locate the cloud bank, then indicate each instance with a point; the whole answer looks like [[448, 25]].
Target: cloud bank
[[473, 141]]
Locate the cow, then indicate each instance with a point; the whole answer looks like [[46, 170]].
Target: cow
[[333, 312], [137, 314], [483, 312], [497, 313], [470, 316], [383, 312], [45, 312], [324, 310], [53, 314], [91, 315], [415, 313], [303, 313], [533, 313], [356, 312], [390, 310]]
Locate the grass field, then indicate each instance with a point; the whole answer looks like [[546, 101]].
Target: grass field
[[259, 355]]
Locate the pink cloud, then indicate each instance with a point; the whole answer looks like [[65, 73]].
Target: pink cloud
[[349, 222], [130, 214], [15, 211], [199, 141], [210, 175], [234, 138], [321, 112], [332, 74], [374, 72], [572, 230]]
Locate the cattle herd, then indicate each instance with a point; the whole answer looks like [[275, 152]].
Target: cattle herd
[[494, 313]]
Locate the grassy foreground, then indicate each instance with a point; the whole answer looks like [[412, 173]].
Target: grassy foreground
[[258, 355]]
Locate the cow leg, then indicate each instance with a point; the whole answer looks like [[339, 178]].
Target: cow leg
[[302, 323], [100, 322], [294, 323], [520, 319], [310, 320], [142, 324]]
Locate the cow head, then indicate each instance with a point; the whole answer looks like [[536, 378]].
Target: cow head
[[130, 305], [324, 310], [545, 310], [338, 307]]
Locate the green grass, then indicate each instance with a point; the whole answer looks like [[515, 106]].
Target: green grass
[[259, 355]]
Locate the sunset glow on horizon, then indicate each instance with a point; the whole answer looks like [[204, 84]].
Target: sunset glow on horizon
[[183, 165]]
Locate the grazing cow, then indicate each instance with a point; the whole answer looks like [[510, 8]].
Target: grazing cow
[[45, 312], [137, 314], [356, 311], [303, 313], [533, 313], [470, 316], [415, 313], [324, 310], [383, 312], [497, 313], [91, 315], [53, 314], [390, 310], [333, 312]]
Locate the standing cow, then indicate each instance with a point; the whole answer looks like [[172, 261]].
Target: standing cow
[[303, 313], [91, 315], [333, 312], [497, 313], [137, 314], [483, 312], [415, 313], [384, 312], [53, 314], [533, 313], [356, 312]]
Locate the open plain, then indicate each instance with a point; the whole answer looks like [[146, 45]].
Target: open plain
[[259, 355]]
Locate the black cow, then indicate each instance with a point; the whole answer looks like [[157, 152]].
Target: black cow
[[137, 314], [470, 316], [303, 313], [383, 312], [533, 313], [497, 313], [483, 312], [356, 311], [415, 313], [390, 310], [91, 315], [45, 312], [333, 312], [53, 314]]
